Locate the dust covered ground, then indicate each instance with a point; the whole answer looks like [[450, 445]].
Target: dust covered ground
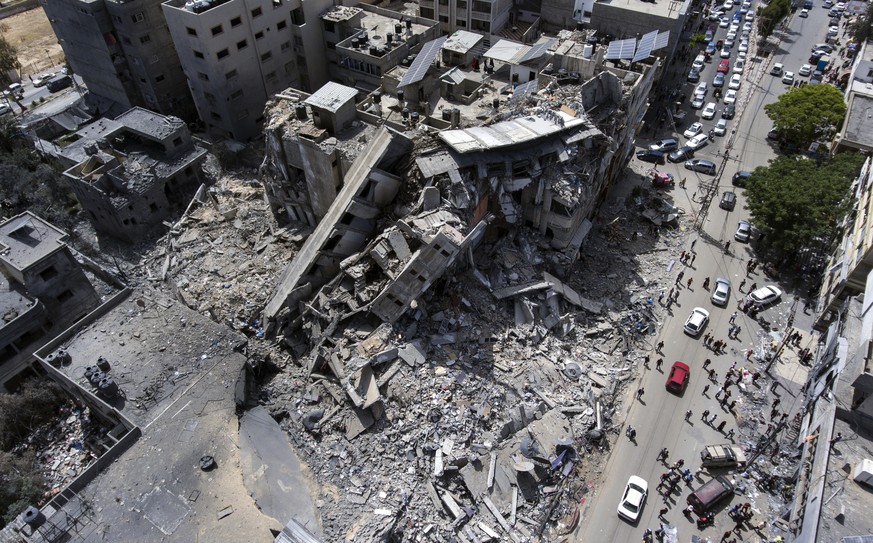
[[31, 34]]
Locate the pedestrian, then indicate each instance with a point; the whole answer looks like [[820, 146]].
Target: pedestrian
[[712, 419], [706, 337], [737, 331], [730, 434], [776, 402], [721, 425], [705, 414], [731, 329], [693, 258], [690, 280], [631, 432], [658, 363], [727, 246], [706, 284], [663, 454], [725, 537], [753, 287], [773, 386], [640, 393], [660, 346], [836, 439], [663, 512], [727, 395], [712, 376], [694, 241], [688, 415], [733, 317], [661, 297], [705, 390], [646, 361], [680, 276], [732, 404], [718, 394], [706, 363], [742, 284]]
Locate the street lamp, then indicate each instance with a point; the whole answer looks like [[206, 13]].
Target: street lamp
[[51, 62]]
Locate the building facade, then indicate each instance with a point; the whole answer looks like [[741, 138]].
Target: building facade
[[237, 54], [483, 16], [123, 52]]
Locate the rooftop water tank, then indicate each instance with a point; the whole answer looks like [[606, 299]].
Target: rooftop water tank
[[587, 51]]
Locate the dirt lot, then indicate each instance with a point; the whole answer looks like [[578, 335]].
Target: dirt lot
[[31, 33]]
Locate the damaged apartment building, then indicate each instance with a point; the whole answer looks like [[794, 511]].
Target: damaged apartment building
[[130, 173]]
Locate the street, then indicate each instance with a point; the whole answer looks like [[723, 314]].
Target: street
[[658, 416]]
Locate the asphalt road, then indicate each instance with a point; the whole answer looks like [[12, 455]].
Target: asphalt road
[[659, 415]]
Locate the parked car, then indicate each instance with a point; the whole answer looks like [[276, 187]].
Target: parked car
[[663, 180], [698, 102], [680, 154], [693, 130], [720, 128], [4, 109], [696, 322], [678, 377], [826, 47], [707, 496], [722, 456], [739, 179], [744, 231], [777, 69], [765, 295], [788, 78], [718, 80], [701, 89], [708, 111], [728, 201], [728, 111], [744, 46], [804, 70], [721, 292], [739, 66], [693, 75], [633, 499], [701, 165], [41, 80], [725, 51], [710, 48], [724, 66], [803, 13], [648, 155], [59, 82], [14, 91], [730, 97], [736, 81], [664, 145]]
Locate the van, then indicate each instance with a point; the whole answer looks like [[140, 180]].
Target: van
[[776, 69], [722, 456], [59, 82], [728, 201], [705, 497]]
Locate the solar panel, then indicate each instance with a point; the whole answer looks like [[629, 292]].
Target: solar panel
[[627, 48], [647, 43], [422, 61], [661, 40], [537, 51], [613, 50], [523, 90]]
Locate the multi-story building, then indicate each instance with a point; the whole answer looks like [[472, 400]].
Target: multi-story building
[[857, 131], [131, 173], [43, 290], [238, 53], [123, 52], [484, 16]]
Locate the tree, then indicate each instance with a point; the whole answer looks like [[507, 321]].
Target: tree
[[696, 41], [770, 15], [807, 114], [862, 29], [8, 61], [798, 203]]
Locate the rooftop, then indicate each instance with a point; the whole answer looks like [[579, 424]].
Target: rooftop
[[150, 124], [507, 133], [859, 121], [331, 96], [26, 239], [462, 41], [14, 302], [341, 13], [669, 8]]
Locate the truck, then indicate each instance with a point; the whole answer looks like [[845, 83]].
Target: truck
[[723, 456], [823, 63]]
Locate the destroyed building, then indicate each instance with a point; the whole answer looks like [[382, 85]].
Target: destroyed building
[[131, 173], [44, 290]]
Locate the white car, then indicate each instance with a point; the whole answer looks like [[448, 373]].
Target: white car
[[730, 97], [739, 66], [747, 26], [41, 80], [696, 321], [744, 231], [698, 102], [708, 111], [788, 78], [750, 16], [730, 38], [744, 46], [693, 130], [805, 70], [698, 141], [765, 295], [742, 55], [725, 22], [725, 52], [720, 127], [803, 13], [736, 81], [633, 499], [701, 89], [721, 292]]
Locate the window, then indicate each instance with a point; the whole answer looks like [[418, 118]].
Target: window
[[48, 273], [230, 75], [331, 45], [281, 24], [216, 30], [235, 22], [297, 17], [259, 35], [202, 76], [481, 6], [298, 41], [462, 23], [287, 45], [270, 76], [236, 95], [137, 17], [266, 56], [159, 78], [191, 31], [221, 54], [256, 12], [198, 54], [177, 141], [145, 39], [240, 45], [329, 26], [65, 295]]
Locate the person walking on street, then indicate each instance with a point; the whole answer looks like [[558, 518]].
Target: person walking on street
[[694, 241], [688, 415], [705, 414], [705, 390], [658, 363], [733, 316], [690, 280], [730, 434], [680, 276], [712, 419], [742, 284], [640, 393], [706, 284], [753, 287], [693, 258], [712, 376], [663, 454], [706, 363], [660, 346]]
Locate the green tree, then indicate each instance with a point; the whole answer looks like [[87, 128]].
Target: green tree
[[799, 203], [8, 61], [807, 114], [696, 41], [770, 15]]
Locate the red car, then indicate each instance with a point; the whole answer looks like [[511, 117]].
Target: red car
[[678, 378], [724, 66], [663, 179]]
